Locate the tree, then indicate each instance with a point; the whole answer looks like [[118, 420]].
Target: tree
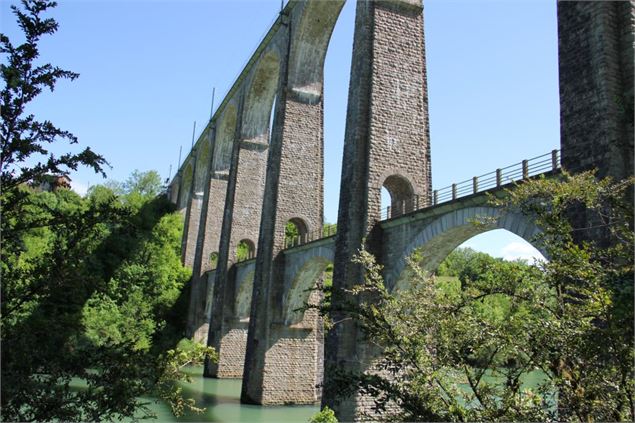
[[96, 293], [74, 270], [23, 136], [562, 348]]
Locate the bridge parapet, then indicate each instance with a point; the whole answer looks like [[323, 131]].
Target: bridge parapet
[[536, 166]]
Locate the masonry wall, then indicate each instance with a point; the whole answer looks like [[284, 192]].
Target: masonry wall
[[190, 238], [595, 44], [241, 221], [386, 135], [208, 241]]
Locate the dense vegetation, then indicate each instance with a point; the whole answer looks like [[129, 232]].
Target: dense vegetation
[[507, 341], [92, 288]]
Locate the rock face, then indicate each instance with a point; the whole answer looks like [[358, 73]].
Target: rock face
[[246, 178]]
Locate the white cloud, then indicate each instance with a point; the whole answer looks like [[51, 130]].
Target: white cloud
[[520, 250], [79, 187]]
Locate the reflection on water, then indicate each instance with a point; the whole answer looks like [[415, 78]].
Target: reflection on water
[[221, 398]]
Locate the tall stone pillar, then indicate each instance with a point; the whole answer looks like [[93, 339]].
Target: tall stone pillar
[[386, 144], [596, 41], [277, 370], [243, 207], [215, 186]]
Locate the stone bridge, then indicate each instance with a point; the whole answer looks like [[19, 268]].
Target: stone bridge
[[258, 165]]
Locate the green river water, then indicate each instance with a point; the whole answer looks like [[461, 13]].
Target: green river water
[[221, 398]]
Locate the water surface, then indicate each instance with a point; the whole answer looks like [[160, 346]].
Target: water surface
[[221, 398]]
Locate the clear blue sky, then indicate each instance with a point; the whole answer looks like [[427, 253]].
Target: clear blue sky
[[148, 68]]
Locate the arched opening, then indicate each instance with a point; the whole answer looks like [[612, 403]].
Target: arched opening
[[259, 104], [438, 238], [336, 84], [305, 291], [306, 288], [225, 138], [401, 194], [242, 303], [202, 164], [186, 184], [213, 260], [245, 250], [295, 232]]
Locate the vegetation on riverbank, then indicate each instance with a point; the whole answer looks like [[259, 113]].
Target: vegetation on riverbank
[[450, 354], [92, 288]]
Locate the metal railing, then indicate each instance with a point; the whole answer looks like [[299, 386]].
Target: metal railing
[[527, 168], [325, 231], [516, 172]]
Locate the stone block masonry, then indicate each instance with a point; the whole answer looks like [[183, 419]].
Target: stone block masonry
[[386, 144]]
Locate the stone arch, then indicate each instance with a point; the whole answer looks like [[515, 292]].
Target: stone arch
[[225, 138], [302, 229], [311, 37], [260, 97], [242, 304], [186, 185], [302, 291], [202, 164], [250, 249], [437, 239], [401, 193], [213, 260]]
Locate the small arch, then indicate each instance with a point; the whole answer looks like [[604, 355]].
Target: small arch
[[245, 250], [295, 232], [402, 196], [213, 260]]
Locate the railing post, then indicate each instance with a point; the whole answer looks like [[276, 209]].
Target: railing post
[[525, 169], [435, 197], [388, 216], [475, 184], [454, 191], [554, 160], [403, 207], [499, 178]]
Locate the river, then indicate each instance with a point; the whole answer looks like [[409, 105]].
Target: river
[[221, 398]]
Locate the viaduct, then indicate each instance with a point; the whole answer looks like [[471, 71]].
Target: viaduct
[[244, 180]]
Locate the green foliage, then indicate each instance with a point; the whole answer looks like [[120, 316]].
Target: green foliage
[[91, 287], [325, 415], [213, 260], [243, 251], [186, 353], [511, 341], [329, 229], [291, 233], [24, 140], [95, 286]]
